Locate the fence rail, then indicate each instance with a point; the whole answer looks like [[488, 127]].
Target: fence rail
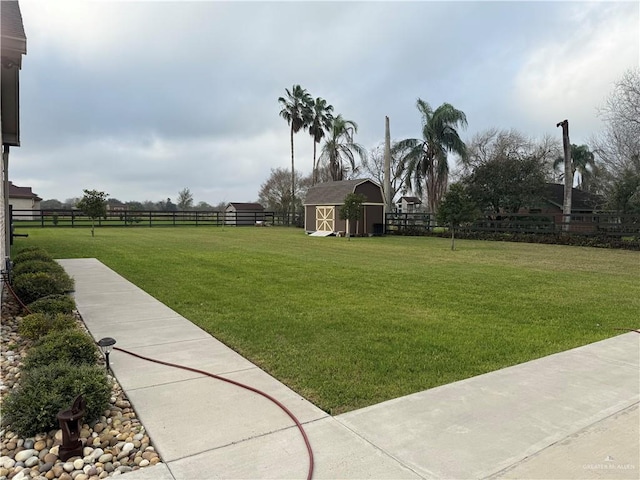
[[146, 218], [609, 224]]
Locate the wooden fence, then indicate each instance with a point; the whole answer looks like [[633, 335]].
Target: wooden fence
[[608, 224], [146, 218]]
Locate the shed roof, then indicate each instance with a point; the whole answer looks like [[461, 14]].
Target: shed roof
[[333, 193], [21, 192], [580, 200], [246, 206]]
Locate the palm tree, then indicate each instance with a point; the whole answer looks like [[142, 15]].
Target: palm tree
[[321, 118], [340, 147], [426, 159], [582, 162], [297, 112]]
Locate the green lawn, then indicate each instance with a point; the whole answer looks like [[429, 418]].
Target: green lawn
[[351, 323]]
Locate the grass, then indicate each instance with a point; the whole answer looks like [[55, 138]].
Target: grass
[[351, 323]]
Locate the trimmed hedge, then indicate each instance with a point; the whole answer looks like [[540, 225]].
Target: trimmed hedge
[[31, 254], [71, 346], [32, 408], [37, 325], [52, 304], [32, 286], [34, 266]]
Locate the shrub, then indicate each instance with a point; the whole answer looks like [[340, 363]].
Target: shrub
[[32, 253], [34, 326], [34, 266], [53, 304], [37, 325], [31, 286], [67, 345], [43, 392]]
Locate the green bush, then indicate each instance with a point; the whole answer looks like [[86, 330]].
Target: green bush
[[34, 266], [43, 392], [32, 253], [53, 304], [68, 345], [34, 326], [37, 325], [31, 286]]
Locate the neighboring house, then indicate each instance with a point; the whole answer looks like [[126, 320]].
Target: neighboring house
[[408, 205], [323, 202], [239, 214], [583, 206], [13, 45], [117, 207], [22, 198]]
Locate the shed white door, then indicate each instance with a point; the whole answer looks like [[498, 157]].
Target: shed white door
[[325, 217]]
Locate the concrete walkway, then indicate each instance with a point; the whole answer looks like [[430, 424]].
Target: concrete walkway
[[569, 415]]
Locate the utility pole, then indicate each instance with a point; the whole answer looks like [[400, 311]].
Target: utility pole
[[568, 175], [387, 166]]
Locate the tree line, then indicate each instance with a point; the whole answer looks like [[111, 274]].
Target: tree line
[[498, 169], [184, 202]]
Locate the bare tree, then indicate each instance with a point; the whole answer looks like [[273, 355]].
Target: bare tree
[[185, 199], [490, 144], [618, 145], [275, 192], [373, 166]]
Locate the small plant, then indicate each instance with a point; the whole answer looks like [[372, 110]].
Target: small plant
[[94, 205], [54, 219], [32, 286], [68, 345], [53, 304], [34, 266], [43, 392]]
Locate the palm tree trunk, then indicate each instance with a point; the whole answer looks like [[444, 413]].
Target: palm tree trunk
[[313, 172], [293, 182]]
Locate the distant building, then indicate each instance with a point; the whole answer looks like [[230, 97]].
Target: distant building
[[408, 205], [239, 214], [22, 198], [583, 206]]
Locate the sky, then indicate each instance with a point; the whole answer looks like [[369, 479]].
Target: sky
[[143, 99]]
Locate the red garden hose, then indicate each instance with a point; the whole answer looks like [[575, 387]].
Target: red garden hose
[[246, 387]]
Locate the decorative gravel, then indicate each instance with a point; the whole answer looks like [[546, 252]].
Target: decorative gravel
[[114, 444]]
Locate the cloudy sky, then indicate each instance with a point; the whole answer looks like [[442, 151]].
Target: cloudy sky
[[142, 99]]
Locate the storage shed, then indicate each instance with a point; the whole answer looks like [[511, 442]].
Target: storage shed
[[323, 202], [238, 214]]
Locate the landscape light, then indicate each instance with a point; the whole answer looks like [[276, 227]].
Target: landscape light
[[105, 345]]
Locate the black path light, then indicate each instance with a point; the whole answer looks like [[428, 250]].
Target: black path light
[[105, 345]]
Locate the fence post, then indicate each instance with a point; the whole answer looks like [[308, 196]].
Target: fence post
[[149, 218], [73, 217]]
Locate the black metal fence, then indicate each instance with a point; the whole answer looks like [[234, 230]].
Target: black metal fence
[[608, 224], [146, 218]]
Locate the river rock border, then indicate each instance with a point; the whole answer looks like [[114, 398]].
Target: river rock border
[[114, 444]]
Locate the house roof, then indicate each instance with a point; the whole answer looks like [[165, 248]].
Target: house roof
[[411, 200], [333, 193], [580, 200], [246, 206], [13, 38], [22, 192]]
